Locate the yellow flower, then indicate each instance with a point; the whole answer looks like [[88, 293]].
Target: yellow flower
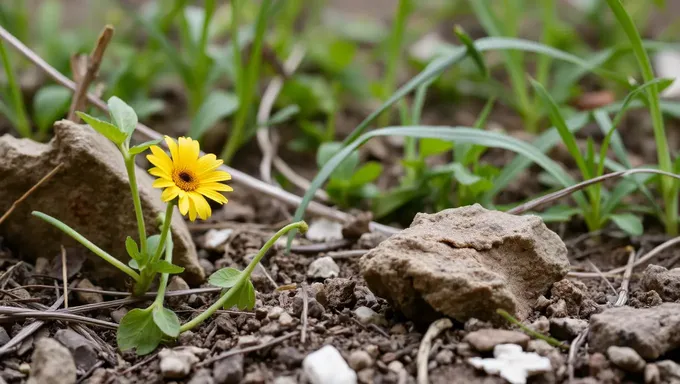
[[188, 176]]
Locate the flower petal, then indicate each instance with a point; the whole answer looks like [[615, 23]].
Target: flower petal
[[172, 145], [188, 150], [160, 159], [170, 193], [163, 183], [216, 187], [192, 210], [215, 176], [207, 163], [212, 194], [160, 173], [202, 206], [183, 202]]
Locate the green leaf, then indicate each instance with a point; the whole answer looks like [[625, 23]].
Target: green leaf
[[108, 130], [471, 50], [628, 222], [431, 147], [138, 330], [166, 320], [139, 148], [162, 266], [243, 298], [366, 174], [463, 175], [394, 199], [283, 115], [217, 106], [132, 248], [132, 263], [49, 104], [152, 243], [346, 168], [225, 277], [559, 213], [122, 115]]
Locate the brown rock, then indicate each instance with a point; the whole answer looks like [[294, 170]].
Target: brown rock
[[88, 297], [466, 262], [651, 332], [90, 193], [51, 363], [486, 339], [665, 282], [626, 359]]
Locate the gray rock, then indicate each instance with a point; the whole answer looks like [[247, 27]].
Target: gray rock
[[177, 363], [229, 370], [651, 332], [4, 337], [285, 380], [290, 356], [88, 297], [366, 315], [207, 266], [665, 282], [466, 262], [286, 320], [485, 340], [566, 328], [626, 359], [359, 360], [177, 283], [669, 371], [202, 376], [51, 363], [444, 357], [81, 194], [323, 268], [118, 314], [275, 312], [339, 293], [652, 374], [214, 239], [84, 352]]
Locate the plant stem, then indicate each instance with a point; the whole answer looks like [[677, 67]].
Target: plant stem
[[163, 284], [245, 275], [395, 45], [21, 122], [88, 244], [130, 168], [165, 230], [531, 332]]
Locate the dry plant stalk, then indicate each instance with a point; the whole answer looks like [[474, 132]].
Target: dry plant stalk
[[33, 188]]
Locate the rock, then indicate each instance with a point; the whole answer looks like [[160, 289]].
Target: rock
[[248, 341], [88, 297], [80, 194], [207, 266], [541, 325], [229, 370], [576, 301], [486, 340], [275, 312], [84, 352], [652, 374], [4, 337], [566, 328], [651, 332], [290, 356], [626, 359], [176, 363], [254, 377], [285, 380], [443, 357], [202, 376], [512, 364], [214, 239], [339, 293], [359, 360], [324, 230], [118, 314], [466, 262], [371, 240], [366, 315], [326, 366], [323, 268], [286, 320], [51, 363], [666, 283], [177, 283], [669, 371], [557, 309]]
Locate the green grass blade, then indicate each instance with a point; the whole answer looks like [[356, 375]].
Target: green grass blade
[[669, 187], [472, 50], [567, 136], [457, 134], [22, 125], [440, 64]]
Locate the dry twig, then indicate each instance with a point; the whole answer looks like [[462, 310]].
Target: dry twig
[[236, 351], [573, 351], [86, 77], [31, 190], [305, 309], [64, 275], [623, 292], [13, 313], [433, 331]]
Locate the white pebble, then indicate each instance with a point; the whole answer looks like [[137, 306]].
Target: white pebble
[[326, 366], [512, 364]]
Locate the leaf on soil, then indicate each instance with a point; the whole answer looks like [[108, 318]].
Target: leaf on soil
[[138, 330], [166, 320]]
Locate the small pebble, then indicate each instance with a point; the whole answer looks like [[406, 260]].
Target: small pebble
[[366, 375], [372, 350], [626, 358], [398, 329], [176, 363], [285, 380], [286, 320], [248, 341], [366, 315], [118, 314], [326, 366], [88, 297], [444, 357], [4, 337], [652, 374], [359, 360], [229, 370], [214, 239], [323, 268], [486, 340], [275, 313]]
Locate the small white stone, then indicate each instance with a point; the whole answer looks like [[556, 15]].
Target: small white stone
[[366, 315], [512, 364], [248, 341], [323, 268], [326, 366], [359, 360], [215, 238], [324, 230], [275, 313], [176, 364], [285, 320]]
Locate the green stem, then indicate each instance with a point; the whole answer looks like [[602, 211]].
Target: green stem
[[395, 46], [130, 168], [88, 244], [531, 332], [245, 275], [163, 284], [165, 230], [21, 120]]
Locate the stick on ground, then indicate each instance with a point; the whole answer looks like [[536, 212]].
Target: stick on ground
[[424, 351]]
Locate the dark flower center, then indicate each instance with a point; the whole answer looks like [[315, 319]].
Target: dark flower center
[[185, 177]]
